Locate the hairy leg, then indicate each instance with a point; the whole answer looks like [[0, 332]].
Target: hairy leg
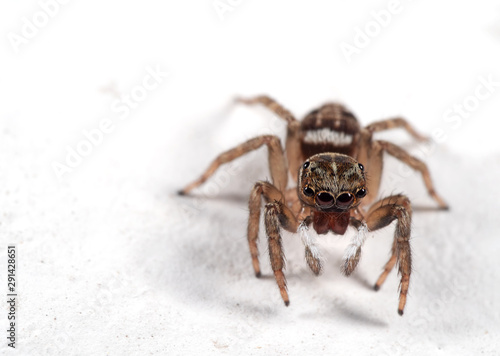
[[293, 149], [277, 163], [277, 216], [271, 214], [416, 164], [270, 193], [272, 105], [385, 211], [371, 155], [393, 123]]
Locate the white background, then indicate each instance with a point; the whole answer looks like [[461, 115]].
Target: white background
[[112, 261]]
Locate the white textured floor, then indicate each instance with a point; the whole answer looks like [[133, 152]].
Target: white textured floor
[[112, 262]]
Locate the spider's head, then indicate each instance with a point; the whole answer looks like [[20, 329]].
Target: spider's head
[[331, 182]]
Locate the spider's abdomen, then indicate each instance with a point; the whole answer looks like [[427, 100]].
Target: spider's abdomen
[[331, 128]]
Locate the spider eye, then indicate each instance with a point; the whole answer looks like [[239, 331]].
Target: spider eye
[[344, 199], [361, 193], [324, 199], [361, 167], [308, 192], [305, 165]]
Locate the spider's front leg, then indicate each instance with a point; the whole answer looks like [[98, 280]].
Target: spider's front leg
[[276, 215], [272, 213], [381, 214]]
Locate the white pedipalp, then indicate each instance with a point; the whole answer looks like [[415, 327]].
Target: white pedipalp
[[326, 135], [309, 241], [356, 242]]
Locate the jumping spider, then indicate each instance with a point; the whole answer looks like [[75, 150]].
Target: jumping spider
[[327, 155]]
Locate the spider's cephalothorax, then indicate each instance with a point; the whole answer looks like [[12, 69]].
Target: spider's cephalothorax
[[331, 185], [327, 155]]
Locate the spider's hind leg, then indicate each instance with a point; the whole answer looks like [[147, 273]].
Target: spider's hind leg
[[393, 123], [272, 105]]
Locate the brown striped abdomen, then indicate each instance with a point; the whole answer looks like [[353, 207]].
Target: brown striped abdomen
[[330, 128]]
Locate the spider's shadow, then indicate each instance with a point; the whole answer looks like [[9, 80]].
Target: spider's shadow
[[227, 197], [427, 209], [218, 263]]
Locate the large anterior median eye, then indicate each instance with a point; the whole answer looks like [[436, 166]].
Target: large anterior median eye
[[308, 192], [344, 199], [324, 198]]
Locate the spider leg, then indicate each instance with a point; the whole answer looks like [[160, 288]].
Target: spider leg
[[272, 105], [276, 215], [271, 213], [277, 163], [416, 164], [292, 200], [393, 123], [387, 268], [396, 207], [293, 149], [371, 155], [270, 193]]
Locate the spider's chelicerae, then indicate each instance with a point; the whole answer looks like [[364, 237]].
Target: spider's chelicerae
[[327, 155]]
